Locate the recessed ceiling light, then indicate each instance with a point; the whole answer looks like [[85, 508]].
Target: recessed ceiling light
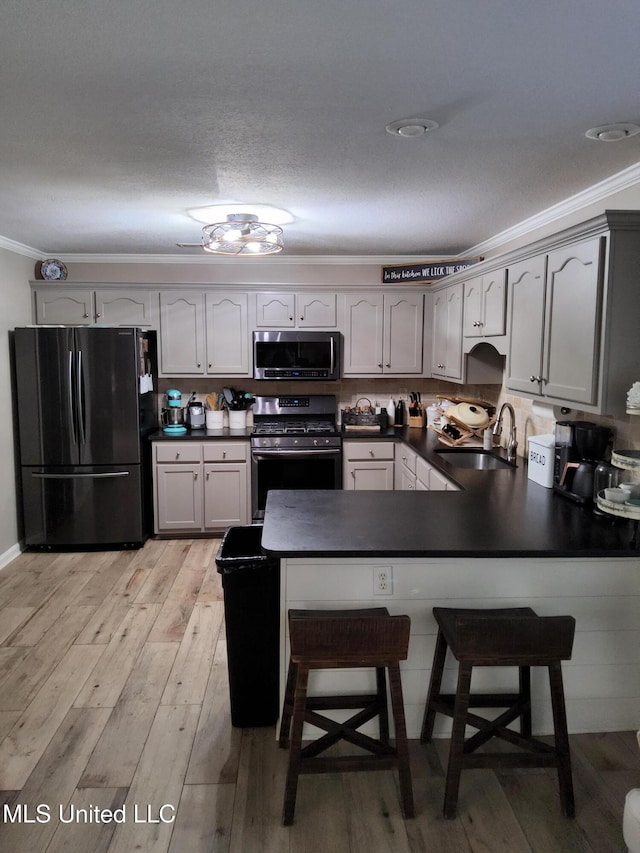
[[613, 132], [411, 127]]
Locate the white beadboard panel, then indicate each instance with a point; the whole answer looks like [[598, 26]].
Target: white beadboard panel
[[500, 578], [602, 680]]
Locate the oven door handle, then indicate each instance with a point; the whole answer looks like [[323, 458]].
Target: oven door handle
[[287, 454]]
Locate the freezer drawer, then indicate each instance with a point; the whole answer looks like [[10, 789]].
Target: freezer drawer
[[97, 506]]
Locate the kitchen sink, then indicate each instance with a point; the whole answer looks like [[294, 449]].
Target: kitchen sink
[[479, 460]]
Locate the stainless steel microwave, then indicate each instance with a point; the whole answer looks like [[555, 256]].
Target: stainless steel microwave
[[296, 355]]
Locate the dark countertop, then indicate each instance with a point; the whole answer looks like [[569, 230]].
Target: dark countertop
[[202, 434], [496, 514]]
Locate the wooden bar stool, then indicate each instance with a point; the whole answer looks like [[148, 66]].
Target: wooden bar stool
[[505, 637], [329, 639]]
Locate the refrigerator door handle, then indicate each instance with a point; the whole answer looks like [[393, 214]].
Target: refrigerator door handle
[[80, 400], [42, 476], [72, 414]]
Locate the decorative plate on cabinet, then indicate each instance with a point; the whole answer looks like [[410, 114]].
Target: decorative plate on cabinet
[[51, 269]]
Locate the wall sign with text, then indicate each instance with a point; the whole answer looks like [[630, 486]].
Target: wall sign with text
[[428, 271]]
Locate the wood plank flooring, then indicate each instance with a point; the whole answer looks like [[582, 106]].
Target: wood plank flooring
[[115, 736]]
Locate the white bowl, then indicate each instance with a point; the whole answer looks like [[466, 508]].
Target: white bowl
[[626, 487], [615, 495]]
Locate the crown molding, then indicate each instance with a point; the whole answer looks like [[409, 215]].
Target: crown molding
[[616, 183], [21, 249], [287, 260]]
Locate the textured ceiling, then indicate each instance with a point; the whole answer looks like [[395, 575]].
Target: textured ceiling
[[118, 118]]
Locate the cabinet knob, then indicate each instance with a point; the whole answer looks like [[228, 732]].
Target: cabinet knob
[[291, 319], [195, 475], [371, 453], [209, 365], [198, 364], [224, 454], [85, 315], [98, 315], [207, 475], [387, 365], [177, 454], [379, 364], [302, 318], [536, 379]]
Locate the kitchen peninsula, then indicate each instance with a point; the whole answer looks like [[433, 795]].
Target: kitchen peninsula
[[502, 540]]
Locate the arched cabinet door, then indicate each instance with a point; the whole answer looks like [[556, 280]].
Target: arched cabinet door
[[227, 334]]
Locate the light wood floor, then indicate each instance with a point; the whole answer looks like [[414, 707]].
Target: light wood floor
[[114, 695]]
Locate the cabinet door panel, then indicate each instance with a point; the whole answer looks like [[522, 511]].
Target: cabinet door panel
[[127, 308], [316, 310], [225, 495], [403, 333], [363, 334], [447, 332], [526, 322], [373, 476], [473, 307], [182, 333], [227, 334], [493, 309], [178, 497], [276, 310], [58, 307], [572, 323]]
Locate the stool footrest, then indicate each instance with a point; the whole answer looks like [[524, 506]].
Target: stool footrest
[[479, 700], [347, 763], [510, 759], [333, 703]]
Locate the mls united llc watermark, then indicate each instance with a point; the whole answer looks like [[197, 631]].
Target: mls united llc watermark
[[45, 813]]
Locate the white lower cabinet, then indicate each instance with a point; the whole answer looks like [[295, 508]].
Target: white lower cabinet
[[368, 465], [429, 479], [200, 486], [405, 473]]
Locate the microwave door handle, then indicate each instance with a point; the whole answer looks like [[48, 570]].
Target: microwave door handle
[[332, 355]]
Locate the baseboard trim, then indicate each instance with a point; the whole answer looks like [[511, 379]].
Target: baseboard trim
[[9, 555]]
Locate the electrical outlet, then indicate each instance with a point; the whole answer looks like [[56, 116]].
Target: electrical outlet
[[383, 580]]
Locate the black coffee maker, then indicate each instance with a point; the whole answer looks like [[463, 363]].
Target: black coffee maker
[[579, 447]]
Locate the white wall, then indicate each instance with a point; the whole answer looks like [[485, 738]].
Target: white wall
[[15, 310]]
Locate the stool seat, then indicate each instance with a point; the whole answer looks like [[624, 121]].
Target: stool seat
[[512, 636], [333, 639]]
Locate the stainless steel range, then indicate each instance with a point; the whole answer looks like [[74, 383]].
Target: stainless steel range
[[295, 444]]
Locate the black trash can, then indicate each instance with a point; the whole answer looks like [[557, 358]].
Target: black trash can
[[251, 586]]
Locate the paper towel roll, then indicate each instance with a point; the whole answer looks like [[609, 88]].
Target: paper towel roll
[[543, 410]]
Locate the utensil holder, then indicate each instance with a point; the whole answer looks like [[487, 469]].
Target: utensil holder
[[238, 419], [215, 419]]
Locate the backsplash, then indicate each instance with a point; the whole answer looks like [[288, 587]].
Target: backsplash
[[377, 390]]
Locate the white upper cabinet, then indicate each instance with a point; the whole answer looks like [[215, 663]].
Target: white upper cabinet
[[447, 332], [383, 333], [203, 333], [71, 306], [61, 306], [290, 310], [555, 323], [227, 334], [485, 305], [182, 333]]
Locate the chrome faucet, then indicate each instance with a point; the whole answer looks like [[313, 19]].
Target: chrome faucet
[[512, 444]]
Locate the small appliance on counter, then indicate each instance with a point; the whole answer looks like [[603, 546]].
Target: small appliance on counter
[[579, 447], [172, 415], [195, 413]]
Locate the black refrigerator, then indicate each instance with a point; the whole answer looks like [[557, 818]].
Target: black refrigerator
[[85, 404]]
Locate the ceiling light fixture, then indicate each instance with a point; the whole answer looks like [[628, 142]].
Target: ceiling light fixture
[[242, 234], [613, 132], [410, 128]]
